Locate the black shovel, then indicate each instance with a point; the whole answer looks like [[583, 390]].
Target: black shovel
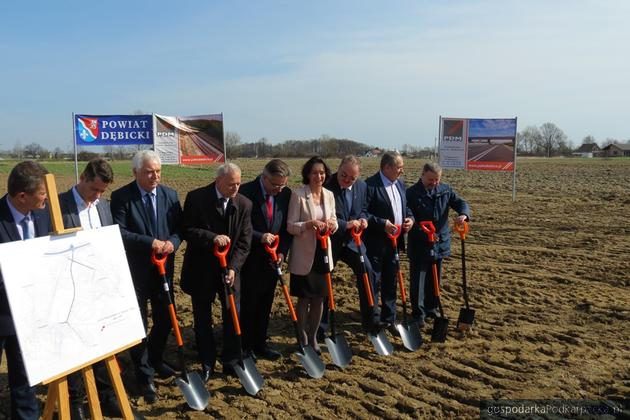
[[244, 367], [377, 336], [409, 331], [440, 326], [337, 345], [190, 383], [466, 315], [309, 359]]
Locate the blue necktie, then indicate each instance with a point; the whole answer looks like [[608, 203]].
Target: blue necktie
[[26, 230]]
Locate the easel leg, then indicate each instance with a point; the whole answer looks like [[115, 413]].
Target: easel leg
[[119, 388], [92, 393], [58, 392]]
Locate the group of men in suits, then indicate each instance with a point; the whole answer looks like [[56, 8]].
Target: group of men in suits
[[246, 217]]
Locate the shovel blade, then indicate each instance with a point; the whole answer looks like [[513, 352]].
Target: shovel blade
[[381, 343], [311, 362], [339, 350], [410, 335], [440, 328], [248, 375], [194, 391], [466, 319]]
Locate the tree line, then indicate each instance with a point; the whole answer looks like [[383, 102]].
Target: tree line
[[549, 140]]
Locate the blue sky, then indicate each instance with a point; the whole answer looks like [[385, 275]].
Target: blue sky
[[377, 72]]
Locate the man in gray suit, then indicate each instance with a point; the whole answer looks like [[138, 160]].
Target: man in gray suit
[[82, 206]]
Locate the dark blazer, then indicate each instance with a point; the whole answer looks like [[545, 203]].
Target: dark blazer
[[9, 233], [202, 223], [379, 210], [70, 212], [260, 222], [434, 208], [129, 213], [358, 210]]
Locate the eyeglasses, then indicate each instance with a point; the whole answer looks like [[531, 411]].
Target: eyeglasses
[[275, 186]]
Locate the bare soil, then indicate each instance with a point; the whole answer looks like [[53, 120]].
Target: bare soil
[[548, 276]]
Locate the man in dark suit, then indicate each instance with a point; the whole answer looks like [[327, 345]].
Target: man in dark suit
[[215, 215], [21, 218], [149, 215], [387, 207], [82, 206], [270, 205], [430, 200], [351, 208]]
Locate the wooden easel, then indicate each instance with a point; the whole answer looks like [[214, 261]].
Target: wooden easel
[[58, 385]]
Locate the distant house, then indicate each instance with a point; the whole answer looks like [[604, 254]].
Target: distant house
[[376, 152], [617, 150], [588, 150]]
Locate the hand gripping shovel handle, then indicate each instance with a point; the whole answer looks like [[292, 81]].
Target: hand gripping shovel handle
[[463, 229], [160, 263], [394, 238], [322, 237], [221, 254], [271, 250], [356, 236]]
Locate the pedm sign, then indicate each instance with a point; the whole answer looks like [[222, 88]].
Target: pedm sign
[[109, 130]]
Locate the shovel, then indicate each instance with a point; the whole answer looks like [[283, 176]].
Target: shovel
[[440, 326], [309, 359], [409, 331], [377, 335], [466, 315], [245, 368], [336, 343], [190, 383]]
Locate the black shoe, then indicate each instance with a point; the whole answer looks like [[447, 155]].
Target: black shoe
[[164, 371], [378, 326], [267, 353], [431, 314], [76, 412], [111, 409], [149, 392], [228, 370], [251, 354], [206, 373], [321, 334]]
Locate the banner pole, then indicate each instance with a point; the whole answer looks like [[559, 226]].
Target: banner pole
[[436, 144], [514, 168], [74, 141]]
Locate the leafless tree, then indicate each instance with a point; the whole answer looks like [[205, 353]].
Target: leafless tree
[[552, 137]]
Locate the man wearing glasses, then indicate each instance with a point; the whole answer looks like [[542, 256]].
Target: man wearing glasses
[[270, 198], [351, 208]]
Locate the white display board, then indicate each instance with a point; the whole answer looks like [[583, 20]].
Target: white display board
[[72, 299]]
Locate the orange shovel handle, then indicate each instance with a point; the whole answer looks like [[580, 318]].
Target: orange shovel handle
[[462, 229]]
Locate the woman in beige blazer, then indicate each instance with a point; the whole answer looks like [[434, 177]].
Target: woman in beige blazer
[[311, 208]]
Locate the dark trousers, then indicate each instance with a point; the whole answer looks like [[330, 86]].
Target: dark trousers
[[103, 385], [258, 290], [202, 314], [353, 260], [384, 265], [150, 351], [24, 404], [423, 298]]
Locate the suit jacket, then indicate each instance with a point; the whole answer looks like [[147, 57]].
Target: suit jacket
[[202, 223], [435, 208], [70, 212], [358, 210], [302, 209], [129, 212], [379, 211], [9, 233], [258, 257]]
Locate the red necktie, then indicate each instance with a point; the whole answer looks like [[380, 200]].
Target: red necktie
[[269, 209]]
